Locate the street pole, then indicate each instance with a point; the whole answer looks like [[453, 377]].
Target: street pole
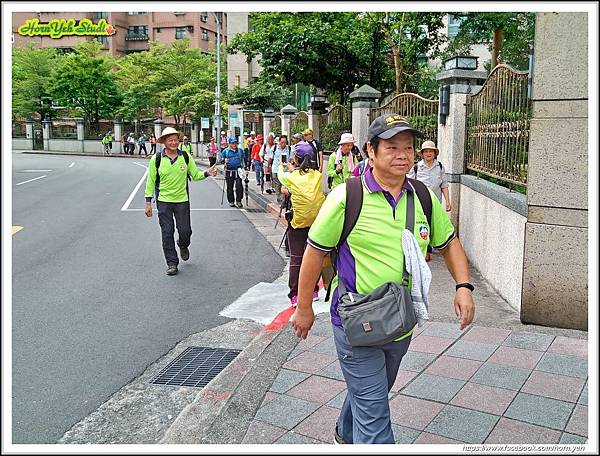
[[218, 93]]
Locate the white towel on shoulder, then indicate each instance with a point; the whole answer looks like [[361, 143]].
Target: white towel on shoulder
[[420, 273]]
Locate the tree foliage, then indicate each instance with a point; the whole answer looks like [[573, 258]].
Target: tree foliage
[[514, 34], [84, 80], [31, 78], [331, 51], [261, 93]]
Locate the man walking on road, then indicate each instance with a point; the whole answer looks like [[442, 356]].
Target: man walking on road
[[233, 157], [372, 255], [168, 182]]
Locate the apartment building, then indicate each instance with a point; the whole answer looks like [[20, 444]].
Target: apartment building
[[134, 29]]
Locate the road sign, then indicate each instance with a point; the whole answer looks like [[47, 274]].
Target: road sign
[[204, 122]]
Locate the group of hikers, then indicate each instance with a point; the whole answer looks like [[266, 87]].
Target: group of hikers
[[375, 227]]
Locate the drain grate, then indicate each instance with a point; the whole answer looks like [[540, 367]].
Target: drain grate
[[195, 367], [255, 210]]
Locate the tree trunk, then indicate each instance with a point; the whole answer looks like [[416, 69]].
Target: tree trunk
[[395, 53], [497, 46]]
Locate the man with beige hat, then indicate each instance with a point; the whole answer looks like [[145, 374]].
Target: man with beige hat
[[431, 172], [168, 175], [341, 163]]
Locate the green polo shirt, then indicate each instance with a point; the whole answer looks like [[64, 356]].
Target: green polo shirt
[[173, 178], [372, 254], [338, 178]]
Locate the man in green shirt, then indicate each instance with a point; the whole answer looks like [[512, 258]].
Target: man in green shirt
[[186, 146], [371, 256], [169, 186], [341, 163]]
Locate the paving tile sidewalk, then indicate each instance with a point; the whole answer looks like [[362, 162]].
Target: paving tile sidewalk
[[483, 385]]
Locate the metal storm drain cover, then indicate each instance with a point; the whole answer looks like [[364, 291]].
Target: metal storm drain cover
[[254, 210], [195, 367]]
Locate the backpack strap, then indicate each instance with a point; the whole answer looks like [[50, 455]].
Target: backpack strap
[[415, 169], [354, 199], [425, 199], [157, 158]]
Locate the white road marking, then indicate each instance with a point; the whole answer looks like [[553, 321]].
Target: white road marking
[[16, 229], [36, 171], [139, 164], [263, 302], [206, 209], [128, 202], [31, 180], [72, 164]]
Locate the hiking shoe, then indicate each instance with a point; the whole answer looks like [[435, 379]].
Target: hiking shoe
[[239, 204], [172, 269], [269, 191], [185, 253], [337, 438], [232, 204]]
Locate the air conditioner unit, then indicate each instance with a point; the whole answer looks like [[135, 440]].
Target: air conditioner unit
[[190, 28]]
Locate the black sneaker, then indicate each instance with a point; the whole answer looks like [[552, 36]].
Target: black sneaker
[[172, 269], [337, 438], [239, 204], [232, 204], [185, 253]]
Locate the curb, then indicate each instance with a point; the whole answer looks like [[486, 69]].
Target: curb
[[223, 409]]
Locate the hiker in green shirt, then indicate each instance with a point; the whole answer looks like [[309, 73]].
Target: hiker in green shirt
[[186, 146], [168, 183]]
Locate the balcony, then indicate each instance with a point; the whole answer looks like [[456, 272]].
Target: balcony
[[136, 37]]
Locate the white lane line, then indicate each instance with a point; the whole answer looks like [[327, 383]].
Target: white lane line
[[36, 171], [207, 210], [139, 164], [31, 180], [72, 164], [128, 202]]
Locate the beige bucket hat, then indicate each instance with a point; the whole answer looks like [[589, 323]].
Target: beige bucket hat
[[346, 138], [166, 132], [429, 145]]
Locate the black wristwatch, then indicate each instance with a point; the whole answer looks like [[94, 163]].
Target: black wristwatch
[[465, 285]]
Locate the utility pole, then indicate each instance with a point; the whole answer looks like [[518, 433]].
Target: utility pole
[[218, 90]]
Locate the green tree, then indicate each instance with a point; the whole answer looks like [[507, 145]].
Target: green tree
[[139, 99], [411, 38], [31, 80], [261, 93], [332, 51], [84, 80], [184, 79], [510, 36]]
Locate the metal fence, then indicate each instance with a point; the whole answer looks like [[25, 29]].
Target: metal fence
[[63, 129], [498, 118], [97, 130], [299, 123], [276, 125], [19, 129], [332, 124], [421, 112]]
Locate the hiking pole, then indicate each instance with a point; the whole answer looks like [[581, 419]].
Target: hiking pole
[[224, 183], [281, 207], [246, 180]]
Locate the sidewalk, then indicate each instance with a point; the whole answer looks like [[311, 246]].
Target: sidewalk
[[498, 381]]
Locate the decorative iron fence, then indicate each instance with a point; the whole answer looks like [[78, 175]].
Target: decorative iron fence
[[498, 118], [63, 129], [299, 123], [422, 113], [332, 124], [97, 130], [19, 129], [276, 125]]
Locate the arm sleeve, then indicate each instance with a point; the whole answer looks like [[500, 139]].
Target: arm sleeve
[[283, 175], [151, 179], [444, 183], [331, 167], [442, 231], [193, 171]]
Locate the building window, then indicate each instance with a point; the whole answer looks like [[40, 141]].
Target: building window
[[453, 25], [103, 40], [98, 16], [205, 34], [157, 29], [137, 14], [204, 17], [137, 33], [180, 32]]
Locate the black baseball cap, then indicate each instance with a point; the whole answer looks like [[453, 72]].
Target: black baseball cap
[[389, 125]]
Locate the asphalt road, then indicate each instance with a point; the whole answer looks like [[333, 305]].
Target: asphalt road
[[91, 304]]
